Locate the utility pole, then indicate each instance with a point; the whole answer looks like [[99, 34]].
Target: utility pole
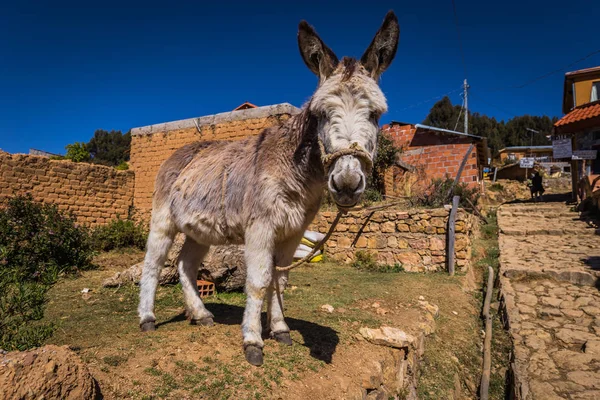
[[466, 94]]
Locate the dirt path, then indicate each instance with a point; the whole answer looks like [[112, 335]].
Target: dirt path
[[549, 264], [328, 360]]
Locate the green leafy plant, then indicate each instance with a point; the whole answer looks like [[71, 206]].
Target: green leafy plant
[[123, 166], [120, 234], [77, 152], [496, 187], [384, 159], [38, 244]]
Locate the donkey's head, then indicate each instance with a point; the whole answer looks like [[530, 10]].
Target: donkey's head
[[348, 103]]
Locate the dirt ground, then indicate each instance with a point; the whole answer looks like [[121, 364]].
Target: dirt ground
[[327, 358]]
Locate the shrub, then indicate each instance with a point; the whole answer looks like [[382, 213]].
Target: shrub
[[120, 234], [436, 195], [122, 166], [38, 243], [385, 158], [77, 152], [496, 187], [363, 260]]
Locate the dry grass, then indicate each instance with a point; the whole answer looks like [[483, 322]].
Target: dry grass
[[183, 361]]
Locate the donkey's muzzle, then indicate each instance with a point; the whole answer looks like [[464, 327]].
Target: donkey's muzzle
[[346, 186]]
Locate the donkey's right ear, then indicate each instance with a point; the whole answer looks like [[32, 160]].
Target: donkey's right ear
[[319, 58]]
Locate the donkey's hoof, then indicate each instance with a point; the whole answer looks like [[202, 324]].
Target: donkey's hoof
[[148, 326], [283, 337], [208, 321], [254, 355]]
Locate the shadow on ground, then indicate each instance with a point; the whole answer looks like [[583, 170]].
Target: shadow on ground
[[321, 340]]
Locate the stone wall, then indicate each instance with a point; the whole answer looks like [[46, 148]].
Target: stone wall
[[416, 239], [94, 193], [151, 145]]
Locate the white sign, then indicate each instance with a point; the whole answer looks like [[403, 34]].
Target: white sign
[[526, 162], [561, 148], [584, 155]]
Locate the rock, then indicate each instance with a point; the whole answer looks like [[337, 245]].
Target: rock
[[421, 298], [49, 372], [433, 309], [376, 305], [381, 311], [327, 308], [223, 265], [388, 336]]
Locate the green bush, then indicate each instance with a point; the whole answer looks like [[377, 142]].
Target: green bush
[[77, 152], [120, 234], [496, 187], [38, 244], [365, 261], [437, 194], [123, 166]]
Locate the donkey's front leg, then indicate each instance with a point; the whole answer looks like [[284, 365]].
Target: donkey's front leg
[[259, 264], [284, 256]]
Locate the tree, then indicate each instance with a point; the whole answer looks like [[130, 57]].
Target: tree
[[384, 159], [77, 152], [500, 134], [109, 148]]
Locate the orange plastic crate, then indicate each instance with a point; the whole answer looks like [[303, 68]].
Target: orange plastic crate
[[205, 288]]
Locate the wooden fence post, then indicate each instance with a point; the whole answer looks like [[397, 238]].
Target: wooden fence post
[[451, 234], [460, 170]]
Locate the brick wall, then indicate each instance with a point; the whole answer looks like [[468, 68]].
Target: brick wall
[[416, 239], [151, 145], [94, 193], [435, 156]]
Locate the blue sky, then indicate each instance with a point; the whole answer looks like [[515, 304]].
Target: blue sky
[[69, 68]]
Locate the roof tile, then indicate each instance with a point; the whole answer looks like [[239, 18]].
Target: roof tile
[[586, 111]]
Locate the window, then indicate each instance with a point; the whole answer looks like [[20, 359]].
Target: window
[[595, 95]]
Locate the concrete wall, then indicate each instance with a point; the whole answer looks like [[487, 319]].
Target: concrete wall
[[94, 193], [151, 145], [416, 239]]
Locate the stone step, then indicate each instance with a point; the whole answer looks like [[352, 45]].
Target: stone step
[[555, 327]]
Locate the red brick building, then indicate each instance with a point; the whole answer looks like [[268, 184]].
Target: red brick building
[[432, 153]]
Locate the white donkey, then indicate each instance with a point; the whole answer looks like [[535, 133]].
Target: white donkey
[[264, 191]]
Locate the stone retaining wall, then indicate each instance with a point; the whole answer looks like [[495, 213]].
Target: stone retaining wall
[[94, 193], [416, 239]]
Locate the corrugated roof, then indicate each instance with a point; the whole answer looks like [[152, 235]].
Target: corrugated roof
[[514, 148], [580, 113]]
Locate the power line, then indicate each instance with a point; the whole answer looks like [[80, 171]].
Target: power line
[[462, 53], [511, 114], [538, 78]]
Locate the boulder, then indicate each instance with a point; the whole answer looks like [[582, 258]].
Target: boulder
[[223, 265], [49, 372]]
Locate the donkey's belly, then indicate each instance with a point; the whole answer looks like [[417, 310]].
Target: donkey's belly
[[211, 228]]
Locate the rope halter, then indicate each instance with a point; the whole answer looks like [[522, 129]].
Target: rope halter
[[355, 150]]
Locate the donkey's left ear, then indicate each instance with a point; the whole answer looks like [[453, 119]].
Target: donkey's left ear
[[381, 51]]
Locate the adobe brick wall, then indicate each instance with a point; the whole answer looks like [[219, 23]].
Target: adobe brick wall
[[415, 238], [151, 145], [94, 193], [434, 156]]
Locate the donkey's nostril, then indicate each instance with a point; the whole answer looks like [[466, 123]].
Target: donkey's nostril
[[333, 184], [360, 182]]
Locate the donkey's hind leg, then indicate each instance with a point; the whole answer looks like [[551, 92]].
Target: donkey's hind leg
[[189, 260], [160, 239]]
